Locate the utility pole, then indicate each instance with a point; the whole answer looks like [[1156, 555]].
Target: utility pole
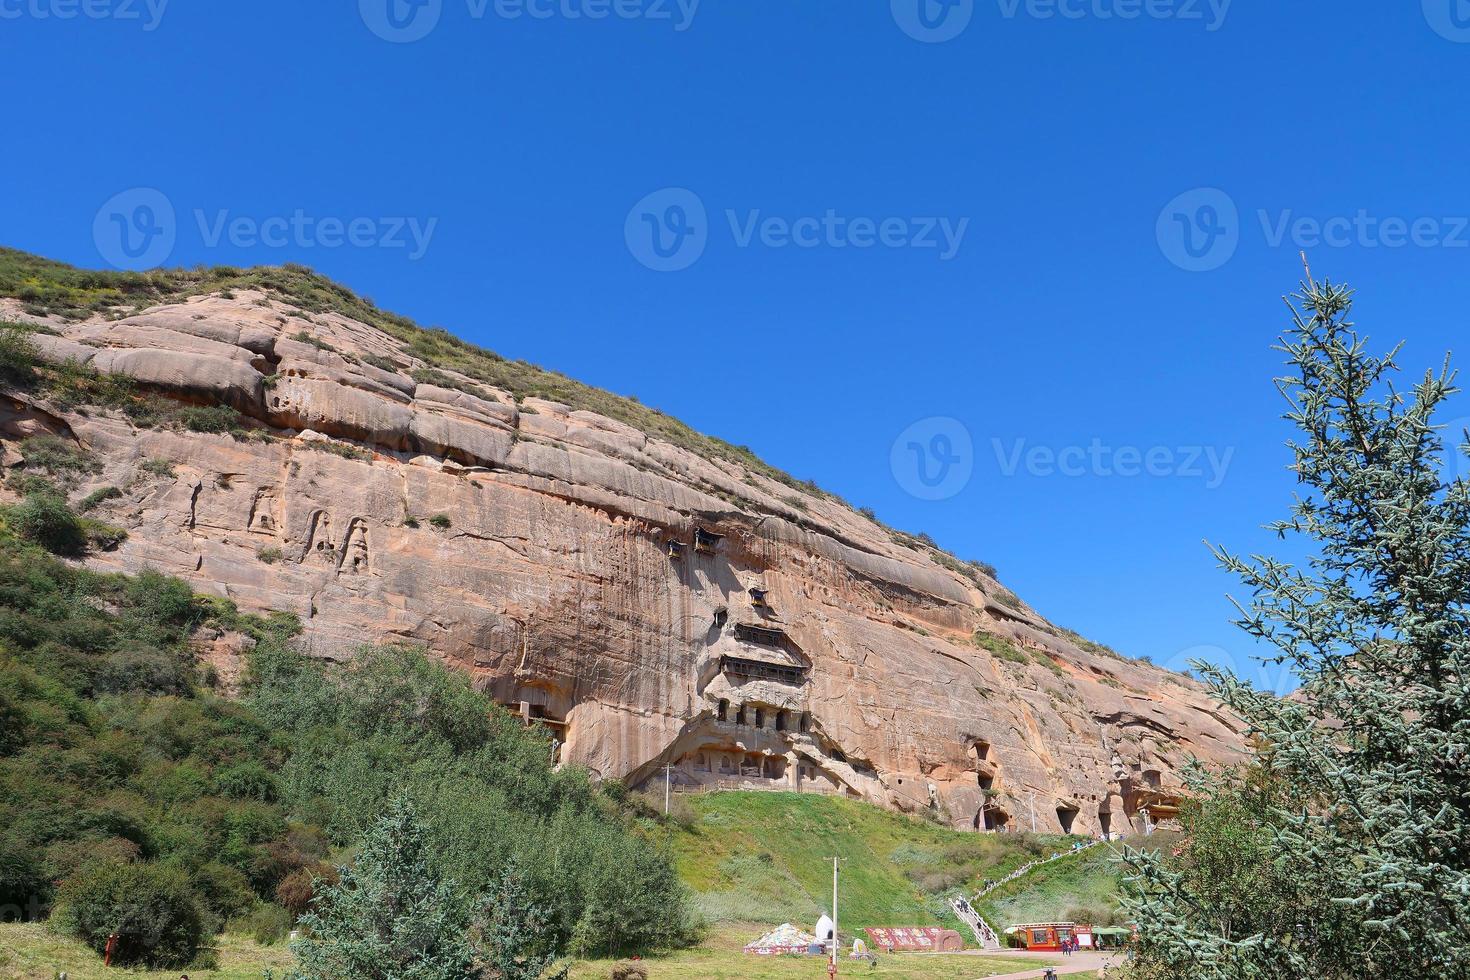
[[1033, 812], [668, 780], [832, 967]]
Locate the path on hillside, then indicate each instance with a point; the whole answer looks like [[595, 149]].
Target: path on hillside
[[964, 908], [1028, 868]]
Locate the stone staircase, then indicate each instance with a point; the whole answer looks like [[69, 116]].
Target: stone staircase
[[967, 914]]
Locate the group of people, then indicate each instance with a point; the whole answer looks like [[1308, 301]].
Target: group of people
[[1071, 945]]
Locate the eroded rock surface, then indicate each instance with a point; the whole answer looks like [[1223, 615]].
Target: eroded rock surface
[[648, 605]]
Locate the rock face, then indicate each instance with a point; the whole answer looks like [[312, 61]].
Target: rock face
[[651, 607]]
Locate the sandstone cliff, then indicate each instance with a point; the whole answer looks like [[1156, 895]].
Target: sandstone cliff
[[652, 603]]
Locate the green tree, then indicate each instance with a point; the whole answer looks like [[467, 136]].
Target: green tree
[[1343, 850], [151, 909], [391, 916], [513, 936]]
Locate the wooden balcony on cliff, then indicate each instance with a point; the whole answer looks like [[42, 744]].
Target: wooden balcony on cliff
[[764, 636], [706, 542], [760, 670]]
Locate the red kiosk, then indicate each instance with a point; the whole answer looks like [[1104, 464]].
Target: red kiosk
[[1049, 936]]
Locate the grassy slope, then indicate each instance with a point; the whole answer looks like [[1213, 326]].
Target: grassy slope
[[766, 857], [757, 859], [1081, 889]]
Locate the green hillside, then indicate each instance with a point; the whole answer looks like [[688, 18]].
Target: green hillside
[[1083, 888], [767, 858]]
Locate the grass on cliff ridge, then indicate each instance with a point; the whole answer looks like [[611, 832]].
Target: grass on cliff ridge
[[767, 857], [47, 287]]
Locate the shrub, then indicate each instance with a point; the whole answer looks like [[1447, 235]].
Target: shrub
[[267, 924], [17, 354], [157, 467], [1001, 648], [297, 890], [248, 780], [303, 337], [44, 518], [101, 535], [440, 520], [155, 914], [210, 418], [58, 458], [224, 891], [24, 890], [270, 555], [381, 363], [98, 496]]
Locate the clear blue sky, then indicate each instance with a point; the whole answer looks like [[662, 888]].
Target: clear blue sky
[[1065, 316]]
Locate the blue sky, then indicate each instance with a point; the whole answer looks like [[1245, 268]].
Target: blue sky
[[1067, 148]]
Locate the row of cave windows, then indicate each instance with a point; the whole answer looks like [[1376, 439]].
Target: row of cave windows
[[763, 766], [756, 717]]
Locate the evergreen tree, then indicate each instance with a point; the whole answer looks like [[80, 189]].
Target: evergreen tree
[[390, 917], [1343, 849], [514, 939]]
